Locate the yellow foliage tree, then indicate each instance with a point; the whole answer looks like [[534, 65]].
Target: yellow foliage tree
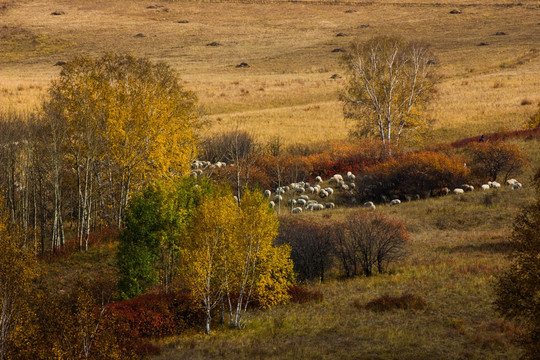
[[18, 268]]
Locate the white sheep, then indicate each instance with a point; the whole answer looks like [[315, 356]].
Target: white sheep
[[323, 193], [511, 182], [301, 202], [350, 176], [272, 204], [316, 207], [305, 197], [267, 193], [296, 210], [495, 185], [458, 191], [368, 204], [318, 179], [395, 202], [516, 186], [352, 185], [278, 198], [329, 191], [280, 191], [311, 190], [330, 205], [291, 202], [344, 187], [485, 187], [299, 189]]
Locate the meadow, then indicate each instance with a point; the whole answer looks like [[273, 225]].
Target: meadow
[[458, 244], [288, 46]]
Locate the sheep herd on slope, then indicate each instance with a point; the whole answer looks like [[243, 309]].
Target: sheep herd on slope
[[302, 191]]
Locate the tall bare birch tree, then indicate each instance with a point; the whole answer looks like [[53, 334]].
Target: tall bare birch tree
[[389, 83]]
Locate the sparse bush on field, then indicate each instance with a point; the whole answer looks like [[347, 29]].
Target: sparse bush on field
[[411, 174], [490, 159], [227, 147], [301, 295], [312, 246], [367, 240], [534, 122], [388, 302]]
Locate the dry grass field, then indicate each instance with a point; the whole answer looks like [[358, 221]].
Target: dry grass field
[[288, 45]]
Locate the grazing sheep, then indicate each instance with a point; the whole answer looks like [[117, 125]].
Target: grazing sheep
[[458, 191], [311, 190], [291, 202], [299, 190], [352, 185], [301, 202], [485, 187], [444, 191], [280, 191], [350, 176], [511, 182], [395, 202], [495, 185], [278, 198], [330, 205], [267, 193], [467, 187], [318, 179], [323, 193], [516, 186], [305, 197], [311, 202], [315, 207], [329, 191], [296, 210], [370, 205], [345, 187], [272, 204]]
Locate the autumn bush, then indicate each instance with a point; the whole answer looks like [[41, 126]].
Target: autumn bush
[[410, 174], [488, 160], [153, 315], [527, 134], [312, 246]]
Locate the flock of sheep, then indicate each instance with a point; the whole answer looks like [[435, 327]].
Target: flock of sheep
[[302, 191]]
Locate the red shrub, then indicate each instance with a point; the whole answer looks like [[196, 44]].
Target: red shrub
[[152, 315], [525, 134]]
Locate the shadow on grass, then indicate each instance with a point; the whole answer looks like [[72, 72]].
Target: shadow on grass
[[501, 247]]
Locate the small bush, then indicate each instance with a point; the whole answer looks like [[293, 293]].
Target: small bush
[[301, 295], [494, 158], [388, 302]]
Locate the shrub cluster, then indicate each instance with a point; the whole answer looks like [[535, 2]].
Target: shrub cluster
[[409, 175], [388, 302], [301, 295]]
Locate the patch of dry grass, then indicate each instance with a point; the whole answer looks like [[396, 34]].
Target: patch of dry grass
[[288, 47]]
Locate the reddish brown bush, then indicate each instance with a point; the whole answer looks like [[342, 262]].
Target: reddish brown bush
[[301, 295], [490, 159], [153, 315], [411, 174], [523, 134]]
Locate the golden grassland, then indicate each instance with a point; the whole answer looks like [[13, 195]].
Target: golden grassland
[[287, 90]]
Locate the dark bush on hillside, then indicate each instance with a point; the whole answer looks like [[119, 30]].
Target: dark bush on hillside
[[368, 240], [388, 302], [228, 147], [409, 175], [312, 246], [488, 160], [301, 295], [528, 134]]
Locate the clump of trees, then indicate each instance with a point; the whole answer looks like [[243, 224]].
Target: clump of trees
[[389, 83], [518, 287], [108, 127], [222, 249]]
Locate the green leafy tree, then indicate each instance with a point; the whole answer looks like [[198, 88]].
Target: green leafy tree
[[518, 288], [156, 220], [389, 83]]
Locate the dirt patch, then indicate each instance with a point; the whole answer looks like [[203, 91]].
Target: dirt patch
[[60, 63], [58, 12], [341, 34], [338, 50], [455, 11], [139, 35], [500, 33], [182, 21], [335, 77], [242, 65], [350, 11], [213, 43]]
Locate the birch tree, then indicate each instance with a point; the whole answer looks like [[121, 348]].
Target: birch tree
[[389, 83]]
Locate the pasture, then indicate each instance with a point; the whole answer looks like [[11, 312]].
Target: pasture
[[288, 46]]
